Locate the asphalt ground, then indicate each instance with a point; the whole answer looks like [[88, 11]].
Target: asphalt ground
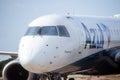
[[82, 77], [108, 77]]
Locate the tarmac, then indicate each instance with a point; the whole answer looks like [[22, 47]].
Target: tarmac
[[83, 77], [108, 77]]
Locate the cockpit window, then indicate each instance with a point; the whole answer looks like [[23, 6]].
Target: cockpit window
[[46, 30], [63, 31], [32, 31]]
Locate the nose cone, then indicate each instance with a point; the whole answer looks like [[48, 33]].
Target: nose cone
[[30, 56], [30, 62], [25, 57]]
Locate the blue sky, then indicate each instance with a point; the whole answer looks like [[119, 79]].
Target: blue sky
[[15, 15]]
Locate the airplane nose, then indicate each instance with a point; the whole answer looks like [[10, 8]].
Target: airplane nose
[[29, 61], [31, 55], [25, 57]]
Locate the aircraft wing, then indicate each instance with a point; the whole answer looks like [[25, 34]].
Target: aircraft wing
[[12, 54]]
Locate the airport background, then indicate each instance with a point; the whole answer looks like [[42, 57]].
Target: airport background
[[15, 15]]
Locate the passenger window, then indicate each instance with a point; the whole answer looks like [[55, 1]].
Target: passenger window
[[63, 31]]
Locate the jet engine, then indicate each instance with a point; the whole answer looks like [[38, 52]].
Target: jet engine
[[14, 71]]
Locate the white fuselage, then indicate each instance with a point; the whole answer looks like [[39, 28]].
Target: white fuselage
[[87, 35]]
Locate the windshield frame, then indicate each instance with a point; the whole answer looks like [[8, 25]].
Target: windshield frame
[[59, 30], [46, 30]]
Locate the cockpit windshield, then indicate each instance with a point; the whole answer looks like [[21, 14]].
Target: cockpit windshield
[[48, 30]]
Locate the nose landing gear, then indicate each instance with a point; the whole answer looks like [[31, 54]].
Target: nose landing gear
[[49, 76]]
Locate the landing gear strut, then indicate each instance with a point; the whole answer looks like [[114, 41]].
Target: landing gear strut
[[49, 76]]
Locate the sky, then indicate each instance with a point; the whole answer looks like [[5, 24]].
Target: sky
[[15, 15]]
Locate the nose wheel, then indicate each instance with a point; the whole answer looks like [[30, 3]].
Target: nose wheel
[[54, 76], [49, 76]]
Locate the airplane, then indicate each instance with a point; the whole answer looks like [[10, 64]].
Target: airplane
[[55, 46]]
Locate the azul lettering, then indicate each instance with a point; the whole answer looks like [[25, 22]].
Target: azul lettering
[[95, 36]]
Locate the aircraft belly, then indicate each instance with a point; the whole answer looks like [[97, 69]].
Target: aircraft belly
[[96, 64]]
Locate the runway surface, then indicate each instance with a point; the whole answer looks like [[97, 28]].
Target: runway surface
[[82, 77], [109, 77]]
